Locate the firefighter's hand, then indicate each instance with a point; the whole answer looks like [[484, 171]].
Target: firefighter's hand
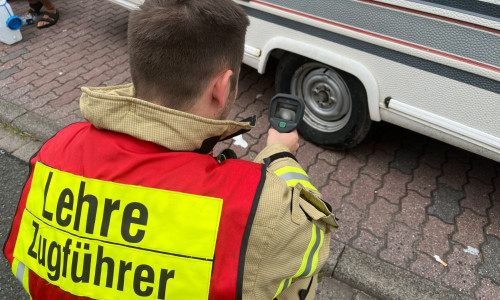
[[290, 139]]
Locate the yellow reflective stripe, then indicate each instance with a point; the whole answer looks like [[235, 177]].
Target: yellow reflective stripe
[[15, 263], [283, 285], [293, 175], [306, 184], [107, 240], [309, 260], [284, 170], [312, 258]]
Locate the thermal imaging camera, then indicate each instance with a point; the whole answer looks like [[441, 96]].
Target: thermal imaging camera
[[286, 112]]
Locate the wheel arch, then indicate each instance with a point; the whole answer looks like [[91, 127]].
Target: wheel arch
[[329, 58]]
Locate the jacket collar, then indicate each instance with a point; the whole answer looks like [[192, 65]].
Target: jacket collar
[[115, 108]]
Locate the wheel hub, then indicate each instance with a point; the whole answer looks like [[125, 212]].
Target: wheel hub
[[322, 96], [326, 95]]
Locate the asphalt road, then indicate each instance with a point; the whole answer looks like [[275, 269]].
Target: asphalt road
[[13, 174]]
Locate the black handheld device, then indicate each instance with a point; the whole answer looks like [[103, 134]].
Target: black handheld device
[[286, 112]]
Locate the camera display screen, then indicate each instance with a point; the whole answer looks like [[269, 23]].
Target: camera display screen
[[286, 111]]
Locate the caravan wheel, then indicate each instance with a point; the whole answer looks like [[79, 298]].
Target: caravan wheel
[[336, 113]]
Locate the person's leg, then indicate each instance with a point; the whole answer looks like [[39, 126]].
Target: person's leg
[[47, 5], [35, 7], [49, 15]]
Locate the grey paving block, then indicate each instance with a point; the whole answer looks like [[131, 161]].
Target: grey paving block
[[12, 142], [27, 151], [446, 203], [11, 71], [491, 266], [37, 126], [9, 111], [13, 55]]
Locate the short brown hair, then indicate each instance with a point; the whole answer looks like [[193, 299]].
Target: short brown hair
[[177, 46]]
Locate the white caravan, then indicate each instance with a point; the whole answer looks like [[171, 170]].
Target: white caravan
[[430, 66]]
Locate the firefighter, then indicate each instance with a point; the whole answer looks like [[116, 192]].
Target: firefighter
[[132, 203]]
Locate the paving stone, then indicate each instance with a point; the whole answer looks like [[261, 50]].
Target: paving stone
[[26, 72], [435, 236], [491, 265], [406, 159], [330, 288], [9, 72], [330, 156], [496, 183], [477, 196], [40, 101], [69, 86], [347, 170], [483, 169], [27, 151], [45, 89], [494, 220], [470, 229], [9, 111], [12, 142], [445, 203], [257, 108], [454, 174], [363, 296], [399, 250], [423, 180], [380, 215], [377, 164], [413, 210], [333, 193], [44, 110], [488, 290], [363, 191], [461, 265], [394, 187], [66, 98], [3, 132], [13, 54], [319, 173], [349, 218], [460, 154], [427, 267], [307, 154], [368, 243], [4, 90], [362, 150]]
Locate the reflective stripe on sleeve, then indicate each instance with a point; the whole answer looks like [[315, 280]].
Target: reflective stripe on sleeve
[[22, 273], [309, 261], [293, 175]]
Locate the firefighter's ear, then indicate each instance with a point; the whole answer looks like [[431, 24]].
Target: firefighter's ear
[[221, 88]]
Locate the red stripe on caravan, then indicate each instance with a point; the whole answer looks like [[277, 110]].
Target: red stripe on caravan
[[382, 37]]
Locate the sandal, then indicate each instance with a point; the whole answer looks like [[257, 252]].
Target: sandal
[[35, 8], [49, 18]]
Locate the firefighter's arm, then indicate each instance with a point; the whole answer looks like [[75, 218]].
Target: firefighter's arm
[[301, 234], [279, 156]]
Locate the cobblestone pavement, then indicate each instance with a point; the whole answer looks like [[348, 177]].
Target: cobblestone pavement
[[401, 198]]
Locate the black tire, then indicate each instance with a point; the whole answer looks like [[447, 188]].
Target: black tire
[[336, 113]]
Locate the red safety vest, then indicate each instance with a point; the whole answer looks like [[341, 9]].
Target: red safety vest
[[81, 164]]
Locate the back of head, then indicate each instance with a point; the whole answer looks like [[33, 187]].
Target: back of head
[[177, 46]]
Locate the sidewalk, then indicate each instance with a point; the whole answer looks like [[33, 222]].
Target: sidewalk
[[401, 198]]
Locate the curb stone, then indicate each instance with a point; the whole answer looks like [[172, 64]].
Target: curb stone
[[386, 281]]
